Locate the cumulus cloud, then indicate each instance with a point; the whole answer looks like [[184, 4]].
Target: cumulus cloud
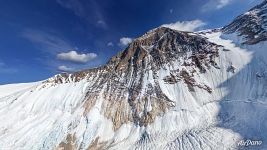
[[215, 4], [186, 25], [124, 41], [73, 56], [65, 69], [53, 45]]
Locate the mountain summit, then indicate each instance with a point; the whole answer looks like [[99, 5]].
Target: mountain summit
[[167, 90]]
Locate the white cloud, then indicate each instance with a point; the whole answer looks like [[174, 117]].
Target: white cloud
[[65, 68], [53, 45], [215, 4], [185, 25], [73, 56], [124, 41], [110, 44]]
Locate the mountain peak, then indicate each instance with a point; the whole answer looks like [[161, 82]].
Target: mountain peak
[[153, 36], [161, 46]]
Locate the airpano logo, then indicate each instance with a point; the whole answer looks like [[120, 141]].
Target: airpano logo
[[249, 142]]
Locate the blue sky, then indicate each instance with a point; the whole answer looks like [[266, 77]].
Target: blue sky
[[42, 38]]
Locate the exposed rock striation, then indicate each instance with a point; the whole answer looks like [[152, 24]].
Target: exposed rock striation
[[122, 81]]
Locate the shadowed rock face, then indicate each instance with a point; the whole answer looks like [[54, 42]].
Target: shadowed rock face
[[252, 25], [121, 83]]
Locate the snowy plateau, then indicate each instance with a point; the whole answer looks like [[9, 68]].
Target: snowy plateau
[[168, 90]]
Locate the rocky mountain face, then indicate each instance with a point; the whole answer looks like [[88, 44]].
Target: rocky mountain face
[[252, 25], [130, 80], [167, 90]]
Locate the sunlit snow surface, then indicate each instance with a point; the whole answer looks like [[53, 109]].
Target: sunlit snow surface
[[40, 117], [13, 88]]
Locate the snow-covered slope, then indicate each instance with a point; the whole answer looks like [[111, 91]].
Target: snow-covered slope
[[13, 88], [252, 25], [167, 90]]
